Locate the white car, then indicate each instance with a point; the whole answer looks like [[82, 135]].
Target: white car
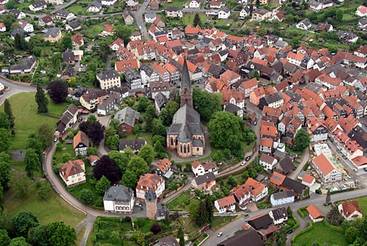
[[219, 234], [243, 163]]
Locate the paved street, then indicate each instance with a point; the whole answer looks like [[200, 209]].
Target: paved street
[[304, 160], [139, 19], [14, 88]]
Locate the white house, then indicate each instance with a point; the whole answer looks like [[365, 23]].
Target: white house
[[224, 13], [27, 27], [119, 199], [108, 2], [2, 27], [225, 204], [326, 169], [314, 213], [279, 215], [152, 182], [268, 161], [95, 7], [38, 6], [80, 143], [73, 172], [55, 2], [244, 13], [194, 4], [361, 11], [201, 168], [109, 79], [281, 198], [304, 25], [350, 210]]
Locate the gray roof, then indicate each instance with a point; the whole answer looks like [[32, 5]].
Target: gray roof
[[107, 74], [118, 193], [128, 116], [24, 64], [282, 195], [186, 119], [208, 177], [160, 99], [53, 32], [167, 241], [150, 195], [134, 144], [279, 213]]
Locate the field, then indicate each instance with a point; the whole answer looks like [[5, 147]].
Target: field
[[185, 201], [320, 234], [363, 204], [27, 121]]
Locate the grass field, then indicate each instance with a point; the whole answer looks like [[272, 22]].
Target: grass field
[[322, 234], [183, 202], [363, 204], [27, 121]]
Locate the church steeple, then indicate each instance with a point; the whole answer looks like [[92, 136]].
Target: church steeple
[[186, 90]]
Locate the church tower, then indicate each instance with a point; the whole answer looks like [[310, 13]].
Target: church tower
[[186, 90]]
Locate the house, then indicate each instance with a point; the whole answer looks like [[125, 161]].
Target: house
[[194, 4], [127, 117], [132, 3], [52, 34], [55, 2], [279, 215], [361, 11], [225, 204], [245, 12], [95, 7], [109, 79], [163, 167], [167, 241], [266, 145], [108, 2], [38, 6], [264, 225], [258, 190], [64, 15], [326, 169], [242, 195], [25, 26], [150, 17], [350, 210], [77, 40], [173, 12], [317, 5], [2, 27], [244, 237], [201, 168], [260, 14], [314, 213], [160, 101], [45, 21], [234, 109], [216, 4], [128, 18], [73, 172], [286, 165], [110, 103], [304, 25], [348, 37], [119, 199], [108, 30], [204, 182], [73, 25], [248, 86], [134, 144], [224, 13], [80, 143], [152, 182], [282, 197], [93, 160], [68, 119], [267, 161], [25, 65]]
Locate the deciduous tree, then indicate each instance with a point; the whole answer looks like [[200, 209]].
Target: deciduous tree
[[108, 168], [147, 153], [58, 91], [8, 111], [206, 103], [32, 162], [23, 221], [4, 238], [18, 241], [301, 141], [4, 170], [41, 100], [102, 185], [94, 131], [4, 139], [167, 112], [181, 236]]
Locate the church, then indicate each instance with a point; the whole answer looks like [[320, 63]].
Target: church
[[186, 135]]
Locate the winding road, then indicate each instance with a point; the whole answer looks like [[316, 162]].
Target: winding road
[[13, 87]]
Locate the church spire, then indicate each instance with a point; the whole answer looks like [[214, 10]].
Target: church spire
[[186, 91]]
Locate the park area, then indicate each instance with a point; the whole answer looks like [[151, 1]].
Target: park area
[[52, 208]]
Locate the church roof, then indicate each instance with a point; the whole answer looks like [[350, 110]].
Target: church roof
[[186, 122]]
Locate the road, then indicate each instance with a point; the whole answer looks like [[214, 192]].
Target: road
[[139, 19], [14, 88], [305, 159], [229, 229]]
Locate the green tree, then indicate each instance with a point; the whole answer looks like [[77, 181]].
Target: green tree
[[4, 121], [130, 179], [158, 128], [4, 139], [351, 233], [124, 32], [66, 42], [23, 221], [60, 234], [112, 141], [21, 186], [34, 142], [334, 217], [41, 100], [38, 235], [147, 153], [197, 20], [301, 141], [87, 196], [181, 236], [226, 132], [46, 135], [1, 194], [159, 150], [142, 104], [43, 190], [9, 113], [136, 167], [19, 42], [4, 170], [167, 112], [102, 185], [18, 241], [32, 162], [206, 103], [121, 159], [4, 238], [149, 116]]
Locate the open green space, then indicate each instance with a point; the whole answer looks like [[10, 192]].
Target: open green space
[[363, 204], [183, 202], [27, 120], [174, 4], [320, 234]]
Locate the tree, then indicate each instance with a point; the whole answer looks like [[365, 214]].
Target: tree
[[334, 217], [44, 190], [24, 221], [66, 42], [94, 131], [60, 234], [108, 168], [301, 141], [41, 100], [181, 236], [121, 159], [4, 238], [142, 104], [34, 142], [204, 214], [197, 21], [155, 228], [158, 128], [58, 91], [1, 194], [21, 186], [149, 116], [4, 139], [351, 233], [4, 170], [136, 167], [4, 121], [9, 113], [124, 32], [87, 196], [38, 235], [130, 179], [112, 141], [167, 112], [102, 185], [19, 42], [327, 199], [18, 241], [45, 134], [147, 153], [32, 162], [206, 103], [226, 132]]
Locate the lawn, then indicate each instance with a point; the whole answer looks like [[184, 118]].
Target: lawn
[[363, 204], [174, 4], [183, 202], [27, 121], [321, 234], [188, 19]]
